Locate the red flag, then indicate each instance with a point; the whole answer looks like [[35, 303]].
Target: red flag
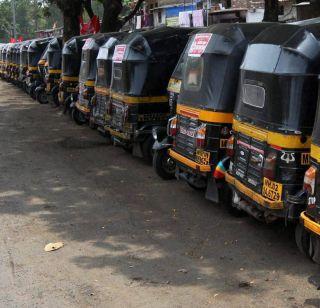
[[93, 26]]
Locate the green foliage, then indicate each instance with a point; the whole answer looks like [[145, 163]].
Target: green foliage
[[31, 15]]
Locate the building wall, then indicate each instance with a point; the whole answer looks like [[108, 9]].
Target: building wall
[[250, 4]]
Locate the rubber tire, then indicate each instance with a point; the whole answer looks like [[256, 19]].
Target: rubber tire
[[75, 115], [92, 124], [128, 148], [56, 99], [302, 237], [146, 148], [159, 158], [39, 97], [32, 92]]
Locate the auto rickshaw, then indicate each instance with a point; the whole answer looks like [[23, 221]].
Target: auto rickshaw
[[43, 68], [16, 63], [273, 121], [205, 106], [2, 46], [9, 63], [5, 61], [23, 63], [35, 51], [101, 100], [53, 73], [163, 164], [71, 62], [82, 107], [142, 65]]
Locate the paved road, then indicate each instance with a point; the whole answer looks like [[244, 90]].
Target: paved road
[[131, 240]]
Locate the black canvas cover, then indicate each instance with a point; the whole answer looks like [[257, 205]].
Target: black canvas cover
[[278, 86], [211, 71], [36, 49], [71, 56], [104, 60], [90, 52], [147, 61], [24, 53], [54, 52]]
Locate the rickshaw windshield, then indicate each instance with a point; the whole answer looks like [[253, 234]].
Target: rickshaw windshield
[[70, 65], [33, 58], [103, 75], [24, 58], [54, 59], [88, 67], [278, 91], [178, 71]]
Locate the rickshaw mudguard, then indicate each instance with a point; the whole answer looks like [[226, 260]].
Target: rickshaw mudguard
[[212, 192]]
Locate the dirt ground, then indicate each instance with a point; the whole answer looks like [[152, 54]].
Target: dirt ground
[[131, 239]]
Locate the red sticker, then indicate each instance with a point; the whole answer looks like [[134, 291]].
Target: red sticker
[[119, 52], [199, 45]]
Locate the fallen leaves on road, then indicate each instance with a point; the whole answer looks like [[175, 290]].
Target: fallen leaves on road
[[183, 270], [245, 284], [53, 246]]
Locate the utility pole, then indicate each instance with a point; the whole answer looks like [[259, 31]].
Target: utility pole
[[14, 23]]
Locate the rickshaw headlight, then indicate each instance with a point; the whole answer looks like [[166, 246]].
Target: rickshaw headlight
[[309, 180]]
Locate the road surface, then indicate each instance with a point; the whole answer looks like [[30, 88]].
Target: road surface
[[131, 239]]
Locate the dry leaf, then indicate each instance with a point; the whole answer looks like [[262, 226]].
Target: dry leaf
[[53, 246]]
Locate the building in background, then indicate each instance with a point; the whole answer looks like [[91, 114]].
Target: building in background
[[199, 13]]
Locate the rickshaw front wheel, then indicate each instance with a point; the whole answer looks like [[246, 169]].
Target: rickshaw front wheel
[[41, 97], [303, 240], [77, 116], [92, 123], [164, 165]]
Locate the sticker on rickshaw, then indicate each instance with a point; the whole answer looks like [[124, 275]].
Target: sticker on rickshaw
[[223, 143], [202, 157], [188, 132], [305, 159], [272, 190], [199, 44], [118, 54]]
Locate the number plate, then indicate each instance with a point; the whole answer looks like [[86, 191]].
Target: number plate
[[48, 89], [271, 190], [202, 157]]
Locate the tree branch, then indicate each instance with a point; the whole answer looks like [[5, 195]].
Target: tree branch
[[133, 12], [88, 8]]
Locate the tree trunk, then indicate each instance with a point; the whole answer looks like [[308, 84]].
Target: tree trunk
[[112, 10], [110, 21], [71, 10], [71, 26], [271, 11]]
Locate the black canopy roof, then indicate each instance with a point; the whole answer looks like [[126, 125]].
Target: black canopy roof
[[148, 61], [211, 71], [278, 89]]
